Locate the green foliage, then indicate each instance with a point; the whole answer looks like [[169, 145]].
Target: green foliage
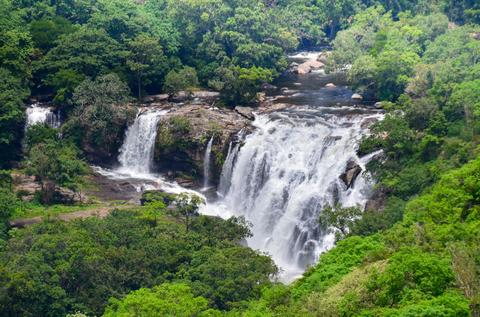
[[240, 85], [183, 80], [186, 207], [46, 31], [40, 133], [101, 115], [8, 204], [56, 268], [339, 220], [163, 300], [55, 164], [335, 264], [173, 138], [145, 60], [150, 196]]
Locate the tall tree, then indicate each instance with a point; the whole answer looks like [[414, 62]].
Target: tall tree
[[146, 60]]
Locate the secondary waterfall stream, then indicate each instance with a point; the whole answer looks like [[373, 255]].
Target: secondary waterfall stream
[[136, 156], [136, 153], [38, 113], [206, 164]]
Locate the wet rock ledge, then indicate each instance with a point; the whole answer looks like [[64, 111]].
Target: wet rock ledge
[[183, 135]]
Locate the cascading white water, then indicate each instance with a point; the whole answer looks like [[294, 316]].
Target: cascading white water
[[136, 153], [229, 163], [207, 163], [286, 173], [38, 113]]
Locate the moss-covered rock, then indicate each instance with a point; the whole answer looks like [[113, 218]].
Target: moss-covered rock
[[183, 135]]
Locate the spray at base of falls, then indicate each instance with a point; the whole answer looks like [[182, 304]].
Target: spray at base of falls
[[286, 173], [38, 113], [206, 164]]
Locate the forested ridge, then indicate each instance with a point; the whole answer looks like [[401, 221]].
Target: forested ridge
[[94, 61]]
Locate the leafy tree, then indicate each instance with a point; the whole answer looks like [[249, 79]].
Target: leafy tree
[[146, 59], [465, 100], [100, 114], [54, 164], [46, 31], [186, 207], [223, 277], [55, 268], [12, 93], [184, 79], [40, 133], [174, 299], [8, 202], [240, 85], [85, 52], [341, 219]]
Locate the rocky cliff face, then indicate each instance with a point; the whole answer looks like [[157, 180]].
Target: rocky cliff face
[[182, 139]]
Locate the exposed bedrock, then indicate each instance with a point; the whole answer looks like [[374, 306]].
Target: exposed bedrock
[[183, 135]]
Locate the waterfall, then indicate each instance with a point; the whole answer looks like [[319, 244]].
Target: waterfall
[[38, 113], [229, 163], [285, 173], [136, 153], [206, 164]]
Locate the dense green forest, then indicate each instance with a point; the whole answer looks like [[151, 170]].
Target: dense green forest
[[95, 59]]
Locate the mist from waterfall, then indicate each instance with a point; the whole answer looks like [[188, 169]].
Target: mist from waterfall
[[136, 153], [286, 172], [38, 114]]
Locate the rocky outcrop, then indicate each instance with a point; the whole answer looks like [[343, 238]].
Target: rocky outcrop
[[351, 173], [26, 187], [357, 97], [245, 112], [183, 135], [308, 66], [377, 201]]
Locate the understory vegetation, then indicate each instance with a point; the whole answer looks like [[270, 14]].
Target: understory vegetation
[[418, 255]]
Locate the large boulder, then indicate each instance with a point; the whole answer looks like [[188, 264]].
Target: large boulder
[[357, 97], [351, 173], [308, 66]]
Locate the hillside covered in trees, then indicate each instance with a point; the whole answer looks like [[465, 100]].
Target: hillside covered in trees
[[412, 251]]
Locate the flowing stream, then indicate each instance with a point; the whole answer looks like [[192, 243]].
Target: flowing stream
[[38, 114], [206, 164], [289, 169], [136, 157], [136, 153]]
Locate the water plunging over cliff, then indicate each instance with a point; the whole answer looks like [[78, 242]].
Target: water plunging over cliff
[[136, 158], [38, 113], [206, 164], [136, 153], [289, 169]]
